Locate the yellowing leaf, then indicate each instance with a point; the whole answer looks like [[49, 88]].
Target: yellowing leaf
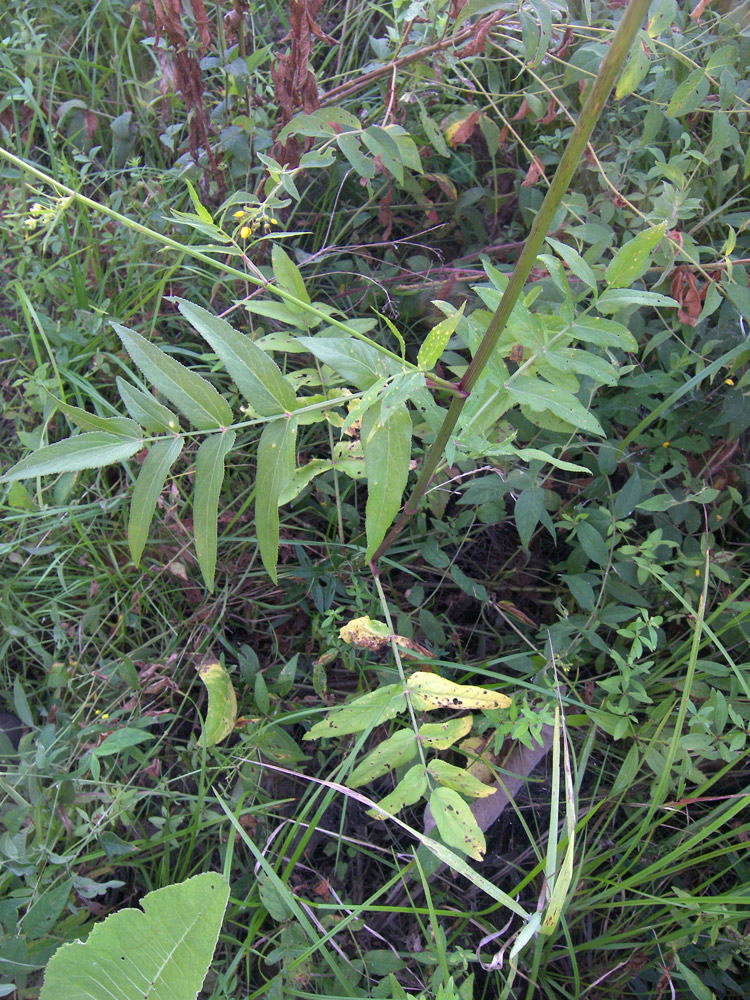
[[456, 823], [430, 691], [459, 780], [365, 633], [397, 750], [222, 702], [362, 713], [409, 790], [441, 735]]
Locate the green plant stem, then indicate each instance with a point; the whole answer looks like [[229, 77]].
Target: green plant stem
[[592, 109]]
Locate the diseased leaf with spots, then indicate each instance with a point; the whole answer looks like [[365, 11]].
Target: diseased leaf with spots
[[409, 790], [222, 702], [362, 713], [456, 824], [459, 779], [442, 735], [430, 691], [436, 340], [397, 750]]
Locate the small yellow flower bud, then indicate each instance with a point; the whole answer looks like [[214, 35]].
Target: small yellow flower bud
[[665, 444], [239, 215], [728, 381], [245, 232]]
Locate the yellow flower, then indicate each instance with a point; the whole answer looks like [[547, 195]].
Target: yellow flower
[[728, 381], [245, 232], [239, 215], [665, 444]]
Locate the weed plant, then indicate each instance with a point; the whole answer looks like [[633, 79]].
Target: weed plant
[[619, 591]]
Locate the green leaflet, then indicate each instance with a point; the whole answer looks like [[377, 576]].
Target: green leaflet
[[442, 735], [435, 342], [540, 396], [275, 468], [396, 750], [354, 361], [146, 410], [255, 374], [191, 394], [287, 275], [89, 450], [162, 951], [409, 790], [459, 779], [148, 486], [575, 262], [633, 259], [362, 713], [93, 422], [387, 447], [456, 824], [209, 475]]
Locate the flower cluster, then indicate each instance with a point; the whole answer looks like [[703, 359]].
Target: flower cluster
[[254, 225]]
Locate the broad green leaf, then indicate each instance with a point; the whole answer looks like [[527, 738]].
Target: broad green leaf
[[435, 342], [540, 396], [363, 713], [90, 450], [121, 739], [276, 451], [387, 447], [592, 543], [574, 361], [351, 147], [146, 410], [690, 94], [42, 916], [575, 262], [397, 750], [18, 497], [456, 824], [148, 486], [409, 790], [191, 394], [635, 69], [662, 19], [161, 952], [255, 374], [209, 475], [442, 735], [459, 779], [633, 259], [222, 702], [287, 273], [430, 691], [615, 299], [381, 144], [93, 422], [603, 333], [528, 511]]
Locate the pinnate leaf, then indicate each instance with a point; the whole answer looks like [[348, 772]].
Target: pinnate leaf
[[148, 486], [204, 407], [209, 475]]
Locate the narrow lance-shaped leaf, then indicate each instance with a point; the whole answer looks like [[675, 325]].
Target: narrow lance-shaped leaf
[[387, 447], [275, 467], [146, 410], [435, 342], [204, 407], [255, 374], [209, 475], [148, 486], [286, 273], [93, 422], [90, 450]]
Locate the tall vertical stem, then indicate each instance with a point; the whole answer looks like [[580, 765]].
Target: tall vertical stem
[[592, 109]]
